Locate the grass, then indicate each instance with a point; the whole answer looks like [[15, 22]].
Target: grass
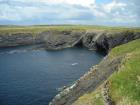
[[34, 30], [124, 49], [125, 84], [40, 28], [93, 98]]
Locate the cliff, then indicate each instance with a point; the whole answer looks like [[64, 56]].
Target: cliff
[[106, 40]]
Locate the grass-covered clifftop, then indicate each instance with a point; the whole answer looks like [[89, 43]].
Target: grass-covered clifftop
[[124, 84], [40, 28]]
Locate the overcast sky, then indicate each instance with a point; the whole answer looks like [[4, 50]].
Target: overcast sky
[[96, 12]]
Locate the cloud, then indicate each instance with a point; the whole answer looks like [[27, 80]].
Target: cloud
[[113, 5], [71, 2], [105, 12]]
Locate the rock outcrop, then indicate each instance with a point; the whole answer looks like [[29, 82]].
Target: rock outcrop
[[106, 96], [16, 39], [105, 41], [65, 39], [53, 40]]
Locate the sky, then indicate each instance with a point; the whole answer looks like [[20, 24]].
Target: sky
[[86, 12]]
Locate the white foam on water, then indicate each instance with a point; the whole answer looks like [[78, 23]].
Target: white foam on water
[[16, 51], [74, 64]]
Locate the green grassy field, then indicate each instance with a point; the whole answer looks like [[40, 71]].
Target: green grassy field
[[40, 28], [124, 85]]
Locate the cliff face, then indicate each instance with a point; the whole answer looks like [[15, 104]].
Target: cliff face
[[65, 39], [107, 40], [16, 39], [93, 40], [54, 40]]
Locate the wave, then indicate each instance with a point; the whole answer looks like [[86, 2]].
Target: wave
[[74, 64]]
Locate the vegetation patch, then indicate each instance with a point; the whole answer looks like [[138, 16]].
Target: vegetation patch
[[93, 98], [34, 30], [125, 84]]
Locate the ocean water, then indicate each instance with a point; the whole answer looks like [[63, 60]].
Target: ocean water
[[32, 76]]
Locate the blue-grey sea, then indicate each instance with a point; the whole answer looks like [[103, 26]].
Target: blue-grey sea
[[32, 76]]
